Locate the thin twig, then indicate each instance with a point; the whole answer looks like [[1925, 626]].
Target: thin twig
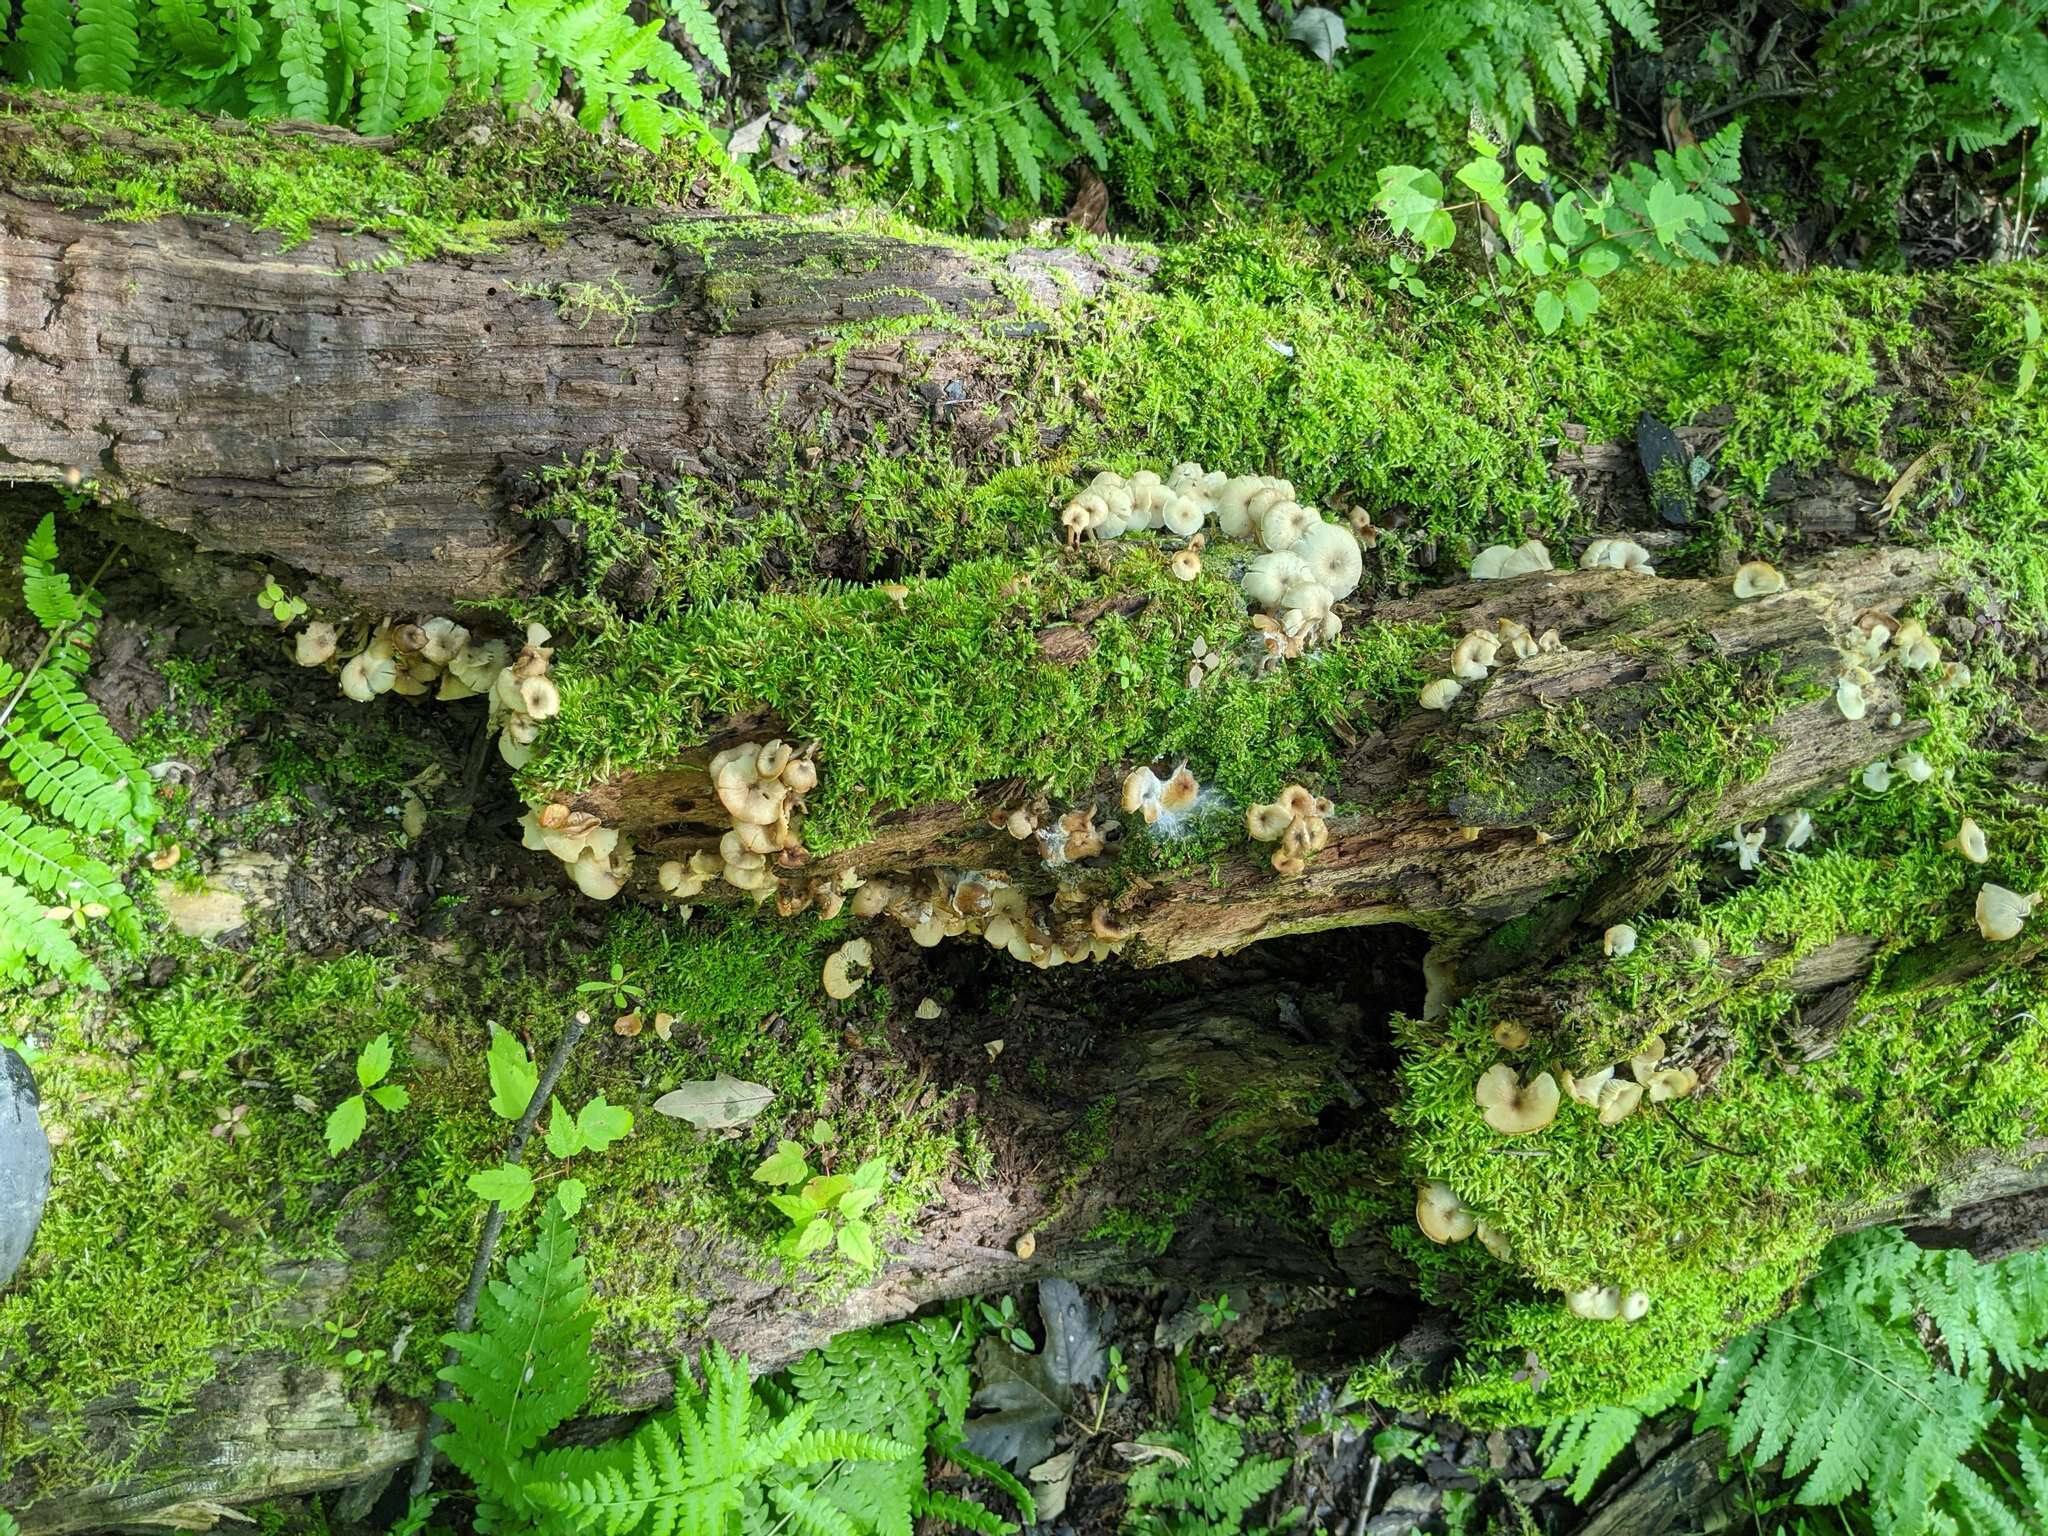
[[1711, 1146], [480, 1271]]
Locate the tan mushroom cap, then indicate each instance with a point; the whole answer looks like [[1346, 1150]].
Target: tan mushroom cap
[[1510, 1035], [1646, 1060], [1512, 1107], [1672, 1083], [1586, 1088], [1440, 1214], [1618, 1100], [840, 966]]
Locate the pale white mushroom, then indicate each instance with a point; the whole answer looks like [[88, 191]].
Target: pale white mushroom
[[1970, 842], [1512, 1107], [1757, 578], [1441, 694], [847, 968], [1439, 1213], [1618, 941], [1849, 699], [1333, 558], [2002, 913], [1474, 654], [1599, 1302]]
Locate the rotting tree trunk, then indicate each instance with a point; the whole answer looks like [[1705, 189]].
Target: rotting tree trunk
[[1458, 868]]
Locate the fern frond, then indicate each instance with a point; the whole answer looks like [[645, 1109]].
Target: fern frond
[[526, 1367], [962, 1514], [27, 933], [106, 48], [41, 52], [44, 588], [805, 1512], [49, 860], [701, 28], [74, 723], [380, 51]]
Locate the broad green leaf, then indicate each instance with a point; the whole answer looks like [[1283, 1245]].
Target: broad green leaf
[[601, 1124], [872, 1174], [2030, 365], [345, 1124], [1489, 180], [390, 1098], [510, 1185], [2030, 320], [1597, 261], [1582, 299], [570, 1193], [1549, 311], [792, 1206], [854, 1201], [1437, 232], [857, 1242], [813, 1237], [1533, 161], [1568, 220], [373, 1062], [513, 1077], [824, 1190], [1482, 145], [785, 1165], [565, 1137]]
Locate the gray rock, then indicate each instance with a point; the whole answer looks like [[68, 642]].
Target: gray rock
[[24, 1163]]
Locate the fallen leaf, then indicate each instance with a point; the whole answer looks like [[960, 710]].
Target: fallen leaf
[[746, 139], [627, 1024], [412, 817], [1050, 1481], [1908, 478], [716, 1105], [1026, 1396], [1142, 1451], [1320, 31], [1090, 207], [993, 1047]]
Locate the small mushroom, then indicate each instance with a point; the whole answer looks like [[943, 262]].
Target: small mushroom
[[1877, 777], [1512, 1107], [1441, 693], [1586, 1090], [1646, 1060], [1494, 1241], [2002, 913], [1795, 830], [1618, 555], [1917, 650], [1915, 767], [847, 968], [1635, 1306], [1672, 1083], [1849, 699], [1747, 846], [1440, 1215], [1970, 843], [1510, 1035], [1618, 941], [1757, 578], [1618, 1100], [1473, 655], [315, 644], [1602, 1303], [1186, 565]]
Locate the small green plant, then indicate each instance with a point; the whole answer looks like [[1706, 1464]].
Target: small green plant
[[622, 993], [1200, 1482], [280, 604], [348, 1119], [341, 1338], [823, 1209], [66, 760], [1004, 1319], [1676, 210], [1116, 1380], [1217, 1312], [1397, 1443], [593, 1128]]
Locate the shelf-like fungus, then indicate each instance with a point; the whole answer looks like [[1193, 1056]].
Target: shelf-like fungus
[[1512, 1107], [1916, 649], [1757, 578], [2001, 913], [1187, 565], [1440, 1215], [1671, 1083]]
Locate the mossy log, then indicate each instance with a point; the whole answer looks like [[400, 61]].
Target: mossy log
[[368, 421], [1563, 766]]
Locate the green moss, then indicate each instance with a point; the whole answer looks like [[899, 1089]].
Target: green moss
[[455, 185]]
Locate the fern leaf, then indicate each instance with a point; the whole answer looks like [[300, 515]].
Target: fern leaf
[[948, 1509], [301, 57], [1638, 20], [1588, 1444], [26, 931], [700, 27], [1046, 25], [1016, 140], [105, 47], [47, 859], [189, 26], [1216, 33], [44, 588], [75, 723], [74, 792], [527, 1365], [381, 51], [41, 53], [806, 1513], [823, 1445], [1135, 59]]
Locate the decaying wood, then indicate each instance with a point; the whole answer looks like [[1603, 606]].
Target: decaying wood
[[1401, 859]]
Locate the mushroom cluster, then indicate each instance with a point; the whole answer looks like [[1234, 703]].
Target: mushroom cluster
[[761, 785], [599, 858], [1479, 651], [1605, 1303], [1616, 1098], [940, 904], [1306, 567], [1616, 555], [1298, 821], [441, 657], [1877, 642], [1443, 1218], [1165, 804]]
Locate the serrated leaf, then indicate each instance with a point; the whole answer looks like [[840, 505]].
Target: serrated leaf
[[373, 1062], [856, 1241], [785, 1165], [510, 1185], [513, 1077], [345, 1124], [570, 1194], [1024, 1397], [600, 1124], [564, 1138], [717, 1104], [810, 1238], [390, 1098]]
